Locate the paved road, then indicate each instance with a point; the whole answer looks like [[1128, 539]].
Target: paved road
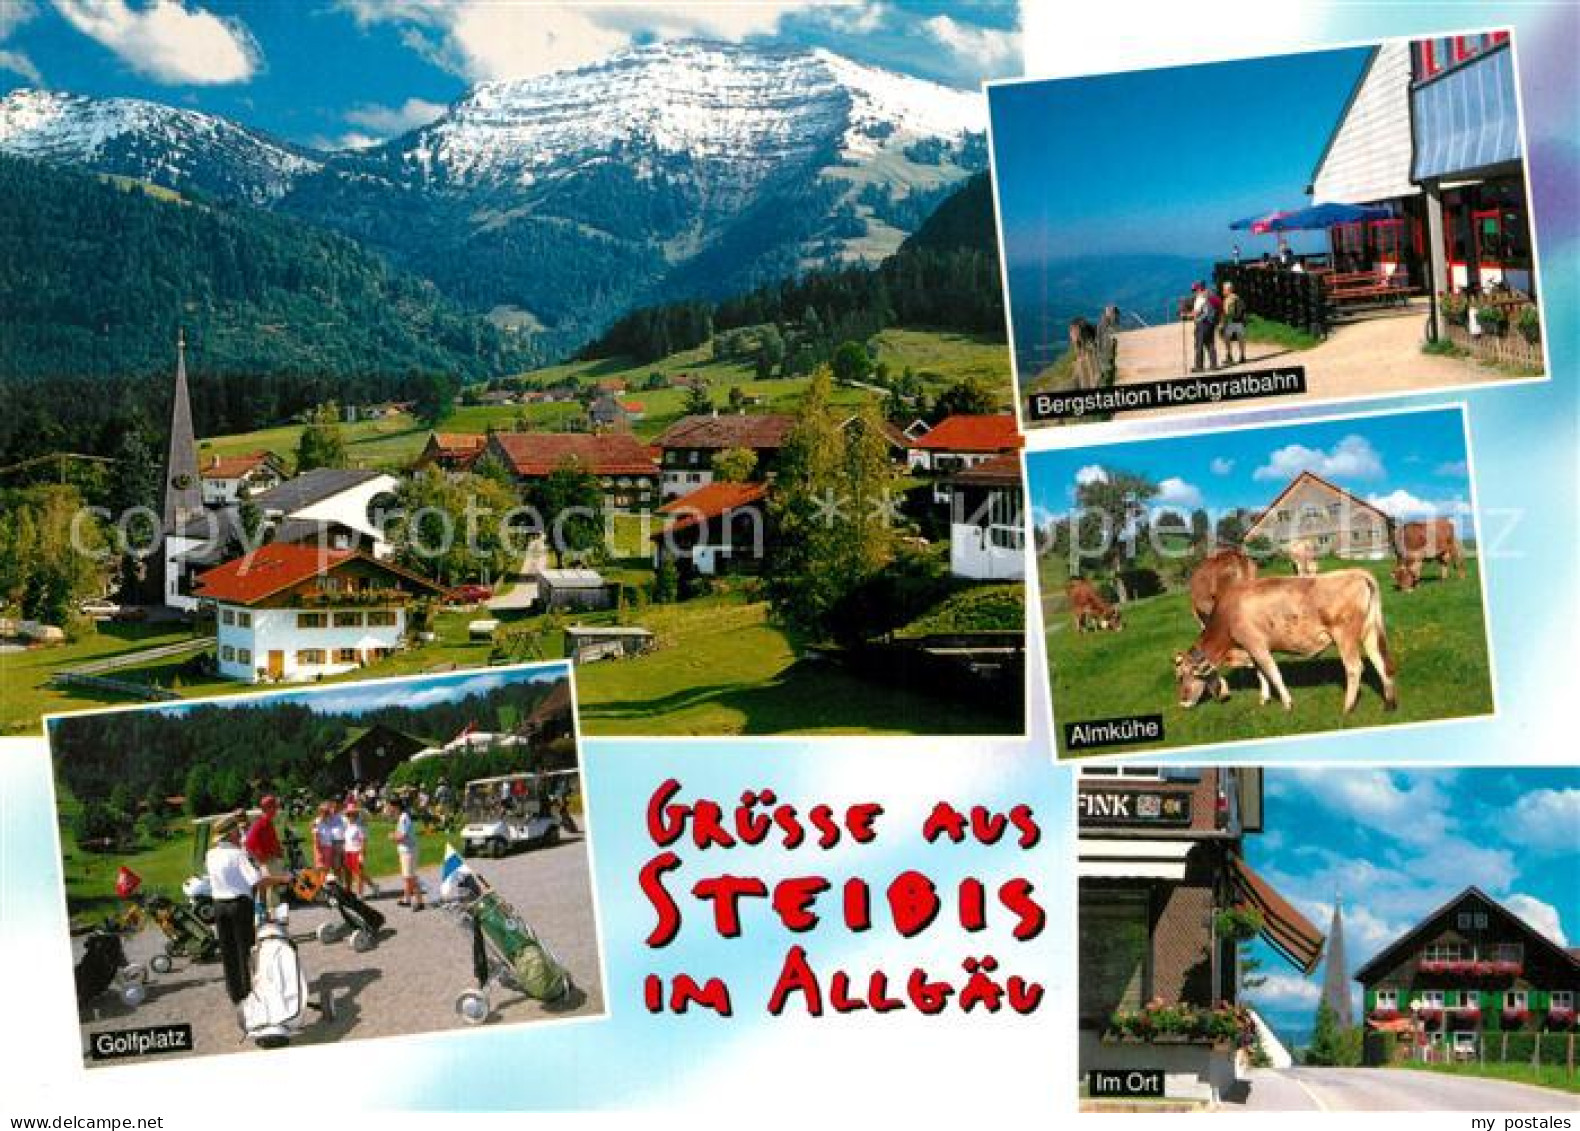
[[524, 591], [408, 983], [138, 658], [1382, 1089]]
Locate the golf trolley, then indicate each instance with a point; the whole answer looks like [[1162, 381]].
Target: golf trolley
[[104, 964], [187, 935], [505, 951], [358, 919], [277, 1007]]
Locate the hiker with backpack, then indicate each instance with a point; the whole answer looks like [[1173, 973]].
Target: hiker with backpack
[[1233, 325], [1205, 310]]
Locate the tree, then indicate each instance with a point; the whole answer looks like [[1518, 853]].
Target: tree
[[1332, 1045], [570, 504], [1231, 528], [770, 350], [453, 528], [52, 553], [699, 401], [1112, 507], [1200, 527], [322, 443], [851, 363], [972, 397], [666, 582], [434, 399], [734, 465]]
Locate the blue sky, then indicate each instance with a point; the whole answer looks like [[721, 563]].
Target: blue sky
[[332, 72], [1409, 464], [1395, 846], [1162, 161]]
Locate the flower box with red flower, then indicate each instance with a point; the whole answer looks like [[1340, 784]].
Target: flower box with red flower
[[1431, 1015], [1515, 1018], [1458, 966], [1467, 1012], [1484, 969], [1508, 968], [1383, 1014], [1561, 1015], [1432, 966]]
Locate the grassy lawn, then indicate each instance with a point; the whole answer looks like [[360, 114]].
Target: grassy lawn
[[944, 359], [25, 693], [1259, 329], [1436, 634], [1547, 1076]]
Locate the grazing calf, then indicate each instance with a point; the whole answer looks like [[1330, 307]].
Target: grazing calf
[[1220, 570], [1303, 555], [1298, 616], [1088, 609], [1415, 543]]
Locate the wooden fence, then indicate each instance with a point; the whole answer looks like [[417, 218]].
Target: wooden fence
[[1294, 298], [125, 687]]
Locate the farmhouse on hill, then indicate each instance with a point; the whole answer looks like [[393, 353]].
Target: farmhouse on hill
[[623, 466], [229, 479], [721, 528], [290, 612], [688, 447], [1336, 522], [451, 451]]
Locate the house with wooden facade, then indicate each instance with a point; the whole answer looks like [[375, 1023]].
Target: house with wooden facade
[[961, 441], [987, 535], [1160, 861], [625, 469], [1336, 522], [229, 479], [289, 612], [1470, 972], [451, 451], [688, 447], [720, 528]]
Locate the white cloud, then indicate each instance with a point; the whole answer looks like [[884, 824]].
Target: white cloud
[[990, 51], [1091, 473], [1542, 916], [13, 14], [351, 139], [1176, 492], [1402, 504], [1413, 810], [1285, 991], [481, 39], [1221, 466], [167, 41], [1547, 820], [1353, 457], [387, 121]]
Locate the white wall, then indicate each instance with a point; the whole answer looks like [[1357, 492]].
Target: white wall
[[350, 509], [973, 555], [1369, 159], [276, 629]]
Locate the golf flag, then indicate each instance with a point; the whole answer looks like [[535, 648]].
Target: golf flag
[[452, 873]]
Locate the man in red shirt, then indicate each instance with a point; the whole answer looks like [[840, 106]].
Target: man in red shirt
[[262, 843]]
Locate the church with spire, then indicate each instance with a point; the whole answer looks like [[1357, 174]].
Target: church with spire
[[1335, 971], [191, 535]]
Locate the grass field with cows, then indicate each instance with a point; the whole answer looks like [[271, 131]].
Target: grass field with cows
[[1437, 635]]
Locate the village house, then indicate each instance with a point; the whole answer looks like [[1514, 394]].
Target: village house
[[962, 441], [1335, 522], [1431, 133], [229, 479], [289, 612], [452, 452], [688, 447], [371, 753], [339, 507], [987, 538], [622, 464], [608, 413], [1468, 974], [720, 528], [573, 588], [1160, 859]]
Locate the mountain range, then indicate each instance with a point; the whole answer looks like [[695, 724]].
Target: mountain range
[[554, 204]]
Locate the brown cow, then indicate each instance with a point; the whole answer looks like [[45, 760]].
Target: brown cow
[[1416, 543], [1299, 616], [1209, 580], [1302, 553], [1087, 607]]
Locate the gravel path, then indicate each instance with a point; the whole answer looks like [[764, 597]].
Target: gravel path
[[408, 983]]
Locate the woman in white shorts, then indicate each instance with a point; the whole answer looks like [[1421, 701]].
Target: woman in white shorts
[[405, 838]]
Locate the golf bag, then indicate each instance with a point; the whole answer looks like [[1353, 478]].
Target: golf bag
[[277, 1006], [103, 964], [363, 921], [504, 950], [187, 935]]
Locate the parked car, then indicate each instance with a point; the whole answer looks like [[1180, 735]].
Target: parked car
[[100, 608], [471, 594]]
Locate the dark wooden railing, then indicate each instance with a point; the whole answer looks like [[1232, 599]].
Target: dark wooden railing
[[1295, 298]]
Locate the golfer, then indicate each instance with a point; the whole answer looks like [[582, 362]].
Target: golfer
[[262, 843], [405, 838], [356, 844], [234, 881]]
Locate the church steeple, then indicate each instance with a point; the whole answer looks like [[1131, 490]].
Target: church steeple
[[183, 490], [1335, 970]]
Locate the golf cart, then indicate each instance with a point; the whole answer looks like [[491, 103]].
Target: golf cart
[[525, 810]]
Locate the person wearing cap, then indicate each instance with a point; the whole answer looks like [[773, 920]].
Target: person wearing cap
[[356, 843], [234, 882], [262, 843]]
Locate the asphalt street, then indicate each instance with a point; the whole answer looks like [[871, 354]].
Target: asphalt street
[[406, 984], [1382, 1089]]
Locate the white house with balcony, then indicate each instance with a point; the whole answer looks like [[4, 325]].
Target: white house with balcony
[[290, 612]]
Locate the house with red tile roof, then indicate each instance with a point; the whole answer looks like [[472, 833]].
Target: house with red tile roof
[[288, 612], [622, 464], [689, 446], [228, 479], [720, 528], [451, 451], [957, 442]]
